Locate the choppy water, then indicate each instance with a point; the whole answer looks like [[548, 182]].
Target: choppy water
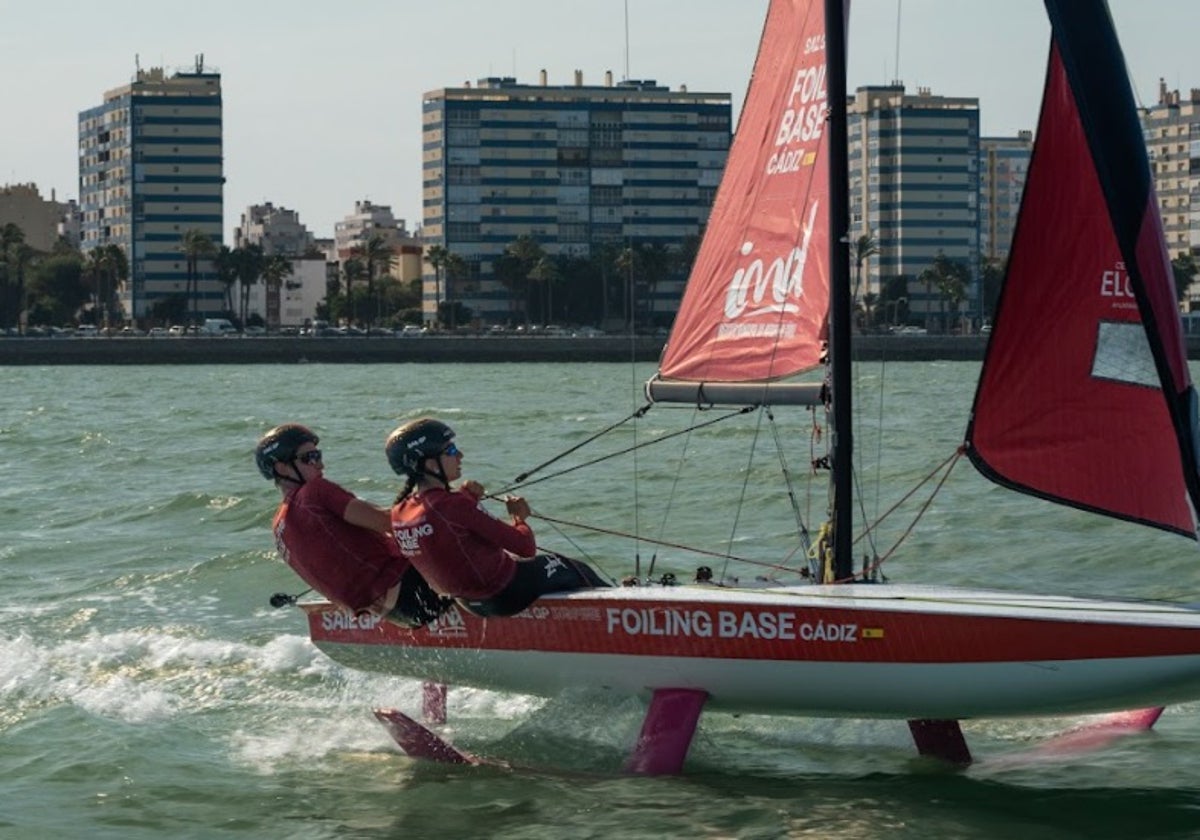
[[147, 689]]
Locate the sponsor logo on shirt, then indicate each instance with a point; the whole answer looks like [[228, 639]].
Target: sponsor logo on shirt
[[409, 537]]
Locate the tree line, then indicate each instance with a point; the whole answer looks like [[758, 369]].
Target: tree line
[[614, 283]]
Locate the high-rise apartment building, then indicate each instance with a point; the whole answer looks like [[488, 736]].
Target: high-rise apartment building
[[572, 166], [914, 188], [150, 170], [1172, 132], [368, 220], [1003, 168], [276, 230]]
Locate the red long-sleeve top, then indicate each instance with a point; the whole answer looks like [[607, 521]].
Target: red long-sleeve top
[[350, 565], [460, 549]]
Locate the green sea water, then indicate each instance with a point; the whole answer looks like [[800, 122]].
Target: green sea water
[[147, 689]]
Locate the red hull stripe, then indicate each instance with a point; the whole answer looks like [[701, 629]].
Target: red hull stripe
[[735, 631]]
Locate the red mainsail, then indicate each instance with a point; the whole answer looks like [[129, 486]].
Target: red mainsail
[[1075, 397], [756, 301]]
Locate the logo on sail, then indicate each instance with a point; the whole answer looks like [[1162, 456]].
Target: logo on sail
[[757, 289]]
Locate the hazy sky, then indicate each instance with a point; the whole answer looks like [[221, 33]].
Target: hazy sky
[[323, 100]]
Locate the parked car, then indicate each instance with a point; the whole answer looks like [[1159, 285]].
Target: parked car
[[86, 331]]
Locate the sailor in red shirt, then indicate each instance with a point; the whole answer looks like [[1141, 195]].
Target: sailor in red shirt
[[491, 567], [338, 543]]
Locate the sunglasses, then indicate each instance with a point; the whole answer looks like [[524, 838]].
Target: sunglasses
[[313, 456], [452, 450]]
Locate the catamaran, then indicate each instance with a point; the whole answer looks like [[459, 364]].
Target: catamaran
[[769, 300]]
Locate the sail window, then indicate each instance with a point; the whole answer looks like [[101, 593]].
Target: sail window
[[1123, 354]]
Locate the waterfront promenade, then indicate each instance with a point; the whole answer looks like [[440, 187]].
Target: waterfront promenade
[[360, 350]]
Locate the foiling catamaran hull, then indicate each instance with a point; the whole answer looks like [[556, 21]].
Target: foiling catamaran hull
[[869, 651]]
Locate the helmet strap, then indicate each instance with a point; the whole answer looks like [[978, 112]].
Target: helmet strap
[[298, 480], [438, 473]]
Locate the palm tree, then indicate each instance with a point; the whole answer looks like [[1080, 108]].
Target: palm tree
[[352, 271], [1184, 269], [196, 245], [225, 262], [865, 247], [546, 273], [456, 269], [373, 253], [275, 268], [12, 240], [950, 278], [657, 260], [112, 269], [248, 266], [648, 263], [436, 256], [514, 266], [604, 258]]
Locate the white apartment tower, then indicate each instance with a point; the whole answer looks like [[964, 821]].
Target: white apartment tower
[[915, 187], [150, 170], [1004, 166], [576, 167], [1172, 132]]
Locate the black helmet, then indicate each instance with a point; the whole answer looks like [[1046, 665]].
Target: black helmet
[[280, 445], [409, 446]]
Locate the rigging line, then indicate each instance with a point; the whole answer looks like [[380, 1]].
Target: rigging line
[[879, 439], [788, 483], [674, 488], [952, 461], [737, 516], [665, 543], [637, 413], [637, 506], [626, 451], [816, 433]]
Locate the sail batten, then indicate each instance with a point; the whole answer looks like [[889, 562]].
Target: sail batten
[[1085, 397], [756, 302]]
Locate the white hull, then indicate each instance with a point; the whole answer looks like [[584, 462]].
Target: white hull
[[857, 651]]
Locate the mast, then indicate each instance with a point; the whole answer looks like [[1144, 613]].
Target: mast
[[839, 292]]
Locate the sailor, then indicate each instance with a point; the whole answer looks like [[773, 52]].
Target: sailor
[[491, 567], [339, 544]]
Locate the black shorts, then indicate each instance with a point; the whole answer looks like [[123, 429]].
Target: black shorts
[[417, 604], [538, 576]]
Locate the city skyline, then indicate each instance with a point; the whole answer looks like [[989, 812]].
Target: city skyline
[[328, 111]]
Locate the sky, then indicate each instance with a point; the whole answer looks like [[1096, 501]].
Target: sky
[[322, 101]]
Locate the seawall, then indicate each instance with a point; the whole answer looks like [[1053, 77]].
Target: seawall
[[427, 349]]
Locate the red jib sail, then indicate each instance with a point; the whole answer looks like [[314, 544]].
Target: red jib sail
[[1082, 395], [756, 300]]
